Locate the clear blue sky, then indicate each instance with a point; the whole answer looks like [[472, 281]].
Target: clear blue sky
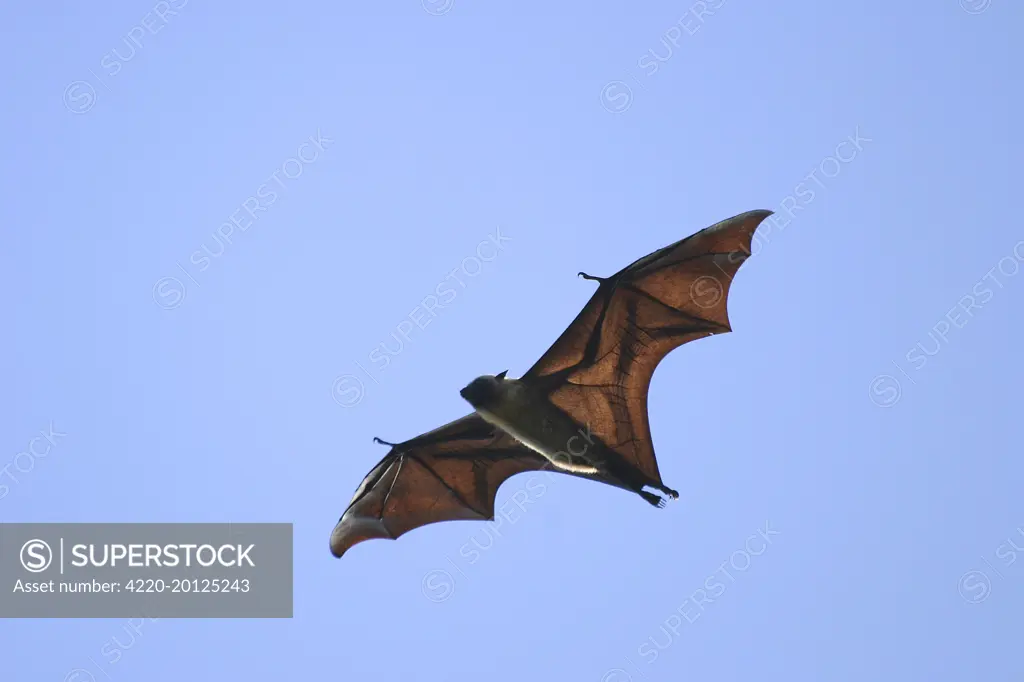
[[441, 127]]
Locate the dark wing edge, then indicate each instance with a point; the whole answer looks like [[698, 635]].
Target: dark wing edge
[[449, 474], [599, 370]]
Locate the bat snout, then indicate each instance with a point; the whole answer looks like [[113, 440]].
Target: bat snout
[[469, 394], [477, 392]]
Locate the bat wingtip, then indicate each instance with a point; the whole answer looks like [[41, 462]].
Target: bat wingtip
[[757, 216], [355, 529], [742, 227]]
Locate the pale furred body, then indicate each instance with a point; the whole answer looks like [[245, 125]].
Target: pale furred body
[[542, 427]]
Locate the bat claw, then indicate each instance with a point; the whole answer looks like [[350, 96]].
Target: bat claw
[[382, 442], [591, 277]]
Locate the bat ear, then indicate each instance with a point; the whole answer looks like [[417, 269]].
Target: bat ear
[[501, 377]]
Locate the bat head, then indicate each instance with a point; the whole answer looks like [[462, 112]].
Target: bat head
[[483, 390]]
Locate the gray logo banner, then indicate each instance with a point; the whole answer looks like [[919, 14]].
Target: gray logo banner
[[145, 570]]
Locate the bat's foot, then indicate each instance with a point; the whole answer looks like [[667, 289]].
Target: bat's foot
[[591, 277], [653, 499], [668, 491]]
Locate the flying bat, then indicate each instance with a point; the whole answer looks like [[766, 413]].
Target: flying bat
[[580, 410]]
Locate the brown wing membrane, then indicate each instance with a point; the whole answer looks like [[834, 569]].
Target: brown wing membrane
[[599, 370], [449, 474]]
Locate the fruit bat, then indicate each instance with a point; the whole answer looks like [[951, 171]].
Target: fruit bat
[[580, 410]]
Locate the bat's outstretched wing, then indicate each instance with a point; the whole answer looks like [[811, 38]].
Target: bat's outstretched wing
[[600, 368], [449, 474]]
